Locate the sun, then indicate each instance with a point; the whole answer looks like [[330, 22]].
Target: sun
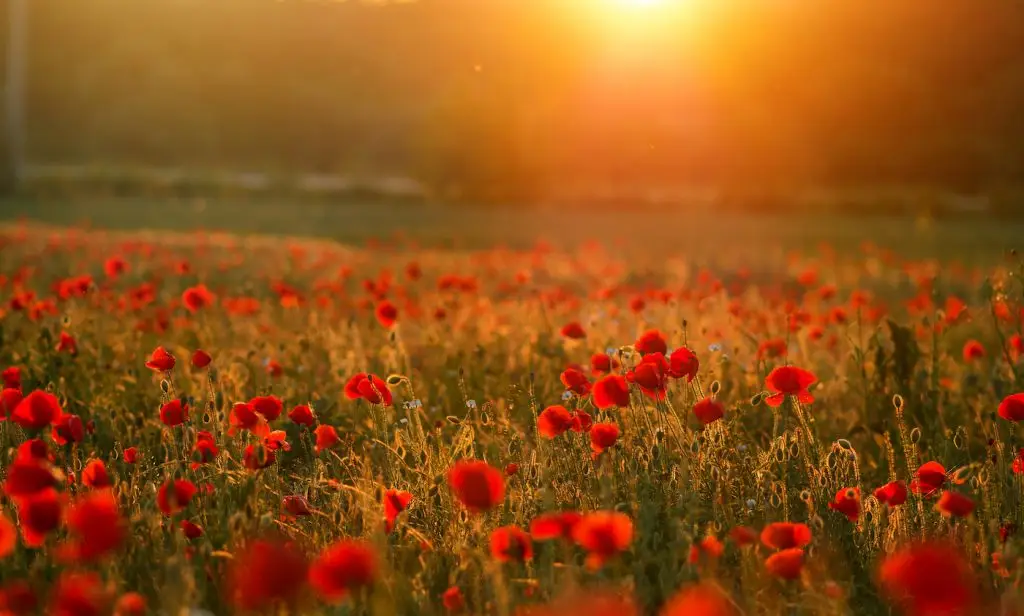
[[639, 4]]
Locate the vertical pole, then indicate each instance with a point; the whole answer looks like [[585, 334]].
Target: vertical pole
[[14, 91]]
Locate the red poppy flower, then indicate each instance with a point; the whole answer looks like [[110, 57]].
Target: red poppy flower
[[511, 543], [9, 400], [582, 421], [131, 455], [130, 604], [973, 351], [95, 526], [611, 391], [743, 535], [603, 534], [33, 450], [395, 503], [205, 449], [1005, 530], [386, 313], [8, 537], [683, 363], [893, 493], [11, 377], [930, 478], [244, 417], [708, 410], [39, 514], [928, 578], [554, 525], [603, 436], [196, 298], [115, 266], [953, 504], [67, 344], [174, 413], [575, 381], [785, 564], [326, 437], [342, 568], [847, 502], [191, 530], [95, 476], [68, 429], [601, 363], [785, 535], [257, 457], [268, 406], [477, 485], [201, 359], [707, 548], [274, 369], [700, 600], [174, 496], [554, 421], [511, 469], [302, 415], [37, 410], [573, 331], [453, 600], [296, 505], [160, 360], [28, 476], [265, 574], [651, 374], [651, 341], [1012, 408], [776, 347], [18, 599], [78, 594], [370, 387], [278, 439], [789, 381]]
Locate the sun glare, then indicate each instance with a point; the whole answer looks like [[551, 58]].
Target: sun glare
[[639, 3]]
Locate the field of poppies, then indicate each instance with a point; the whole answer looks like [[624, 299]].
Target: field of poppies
[[203, 423]]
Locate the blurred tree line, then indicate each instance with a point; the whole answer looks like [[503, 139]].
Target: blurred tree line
[[517, 99]]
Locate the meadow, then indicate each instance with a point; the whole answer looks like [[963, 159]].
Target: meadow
[[396, 409]]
